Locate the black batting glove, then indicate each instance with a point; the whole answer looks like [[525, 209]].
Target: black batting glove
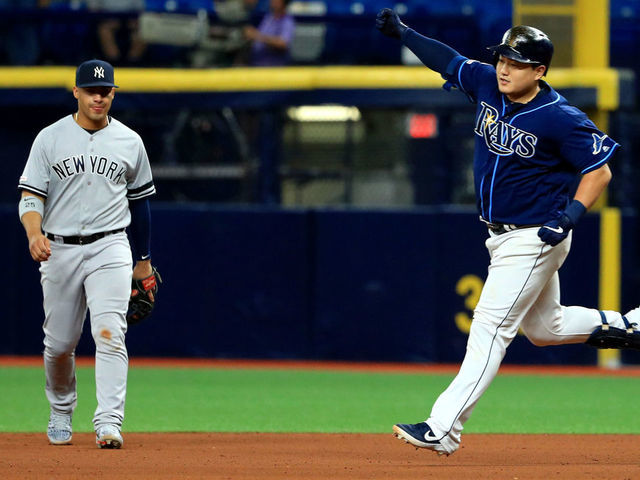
[[388, 22], [556, 230]]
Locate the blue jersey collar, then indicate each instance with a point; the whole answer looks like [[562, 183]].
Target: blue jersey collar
[[545, 94]]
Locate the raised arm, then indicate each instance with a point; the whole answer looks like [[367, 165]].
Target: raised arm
[[432, 53]]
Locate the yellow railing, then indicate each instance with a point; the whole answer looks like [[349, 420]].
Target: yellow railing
[[604, 80]]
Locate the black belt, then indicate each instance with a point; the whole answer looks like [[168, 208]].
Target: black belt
[[77, 240], [500, 228]]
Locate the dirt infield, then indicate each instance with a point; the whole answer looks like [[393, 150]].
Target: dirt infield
[[261, 456], [268, 456]]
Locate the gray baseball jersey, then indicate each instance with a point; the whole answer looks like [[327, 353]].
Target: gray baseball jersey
[[87, 178]]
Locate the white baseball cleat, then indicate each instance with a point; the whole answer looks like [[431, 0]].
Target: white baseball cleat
[[59, 429], [108, 436]]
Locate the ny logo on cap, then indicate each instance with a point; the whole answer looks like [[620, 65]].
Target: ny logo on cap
[[98, 72]]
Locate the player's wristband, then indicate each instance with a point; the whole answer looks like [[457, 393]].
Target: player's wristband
[[575, 211], [30, 203]]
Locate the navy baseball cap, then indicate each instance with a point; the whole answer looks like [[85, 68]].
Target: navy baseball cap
[[95, 73]]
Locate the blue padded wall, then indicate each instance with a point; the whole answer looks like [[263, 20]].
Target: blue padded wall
[[314, 284]]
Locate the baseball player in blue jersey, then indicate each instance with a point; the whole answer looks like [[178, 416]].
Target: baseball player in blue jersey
[[86, 179], [531, 147]]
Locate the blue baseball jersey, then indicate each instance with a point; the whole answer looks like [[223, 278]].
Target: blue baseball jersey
[[527, 157]]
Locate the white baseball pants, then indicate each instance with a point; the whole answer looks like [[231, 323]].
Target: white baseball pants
[[522, 290], [96, 277]]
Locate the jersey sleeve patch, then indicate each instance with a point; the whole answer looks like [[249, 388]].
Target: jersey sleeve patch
[[587, 148], [602, 149]]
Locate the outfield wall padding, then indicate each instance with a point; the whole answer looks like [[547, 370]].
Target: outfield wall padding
[[340, 284]]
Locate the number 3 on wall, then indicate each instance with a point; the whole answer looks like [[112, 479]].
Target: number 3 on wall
[[469, 287]]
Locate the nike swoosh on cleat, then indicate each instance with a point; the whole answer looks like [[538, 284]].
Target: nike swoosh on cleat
[[430, 437], [557, 229]]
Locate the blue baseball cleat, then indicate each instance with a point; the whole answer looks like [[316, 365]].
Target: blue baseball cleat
[[419, 435]]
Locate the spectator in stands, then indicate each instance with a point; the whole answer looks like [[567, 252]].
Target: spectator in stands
[[118, 35], [272, 38], [225, 45], [269, 48]]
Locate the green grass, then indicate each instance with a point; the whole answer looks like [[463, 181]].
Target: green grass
[[165, 399]]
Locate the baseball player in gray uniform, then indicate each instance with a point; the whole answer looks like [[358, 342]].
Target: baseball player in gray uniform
[[87, 178]]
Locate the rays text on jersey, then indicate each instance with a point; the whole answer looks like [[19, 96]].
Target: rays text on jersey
[[501, 137], [74, 165]]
